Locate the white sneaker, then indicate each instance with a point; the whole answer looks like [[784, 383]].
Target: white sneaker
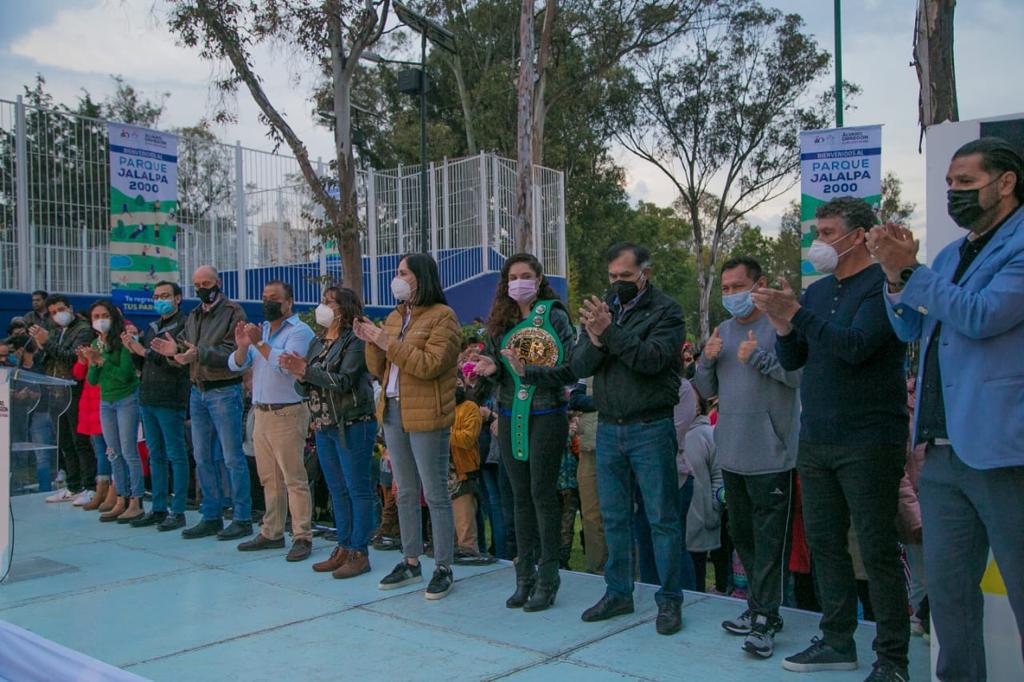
[[62, 495], [83, 498]]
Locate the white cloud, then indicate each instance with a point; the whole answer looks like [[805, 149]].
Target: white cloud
[[112, 38]]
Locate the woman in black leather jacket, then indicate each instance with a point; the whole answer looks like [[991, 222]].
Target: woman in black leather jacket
[[526, 353], [334, 377]]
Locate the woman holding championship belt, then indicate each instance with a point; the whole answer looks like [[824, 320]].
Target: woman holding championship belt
[[529, 337]]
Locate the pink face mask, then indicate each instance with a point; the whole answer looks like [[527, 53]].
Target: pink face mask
[[522, 290]]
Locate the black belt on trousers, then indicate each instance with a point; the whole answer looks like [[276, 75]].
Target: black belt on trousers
[[272, 407]]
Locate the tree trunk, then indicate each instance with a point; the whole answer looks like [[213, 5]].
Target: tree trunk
[[543, 55], [704, 281], [467, 106], [524, 147], [933, 57], [345, 225]]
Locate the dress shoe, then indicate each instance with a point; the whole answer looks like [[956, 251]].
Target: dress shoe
[[337, 559], [300, 551], [236, 530], [203, 529], [260, 542], [171, 522], [670, 618], [150, 519], [608, 607]]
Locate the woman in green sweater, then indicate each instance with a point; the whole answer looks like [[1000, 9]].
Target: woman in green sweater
[[112, 368]]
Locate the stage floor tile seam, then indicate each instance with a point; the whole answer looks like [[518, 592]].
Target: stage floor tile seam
[[70, 594]]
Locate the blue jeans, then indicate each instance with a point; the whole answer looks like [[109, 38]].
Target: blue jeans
[[645, 453], [348, 471], [493, 507], [165, 437], [99, 446], [217, 418], [120, 422], [645, 547]]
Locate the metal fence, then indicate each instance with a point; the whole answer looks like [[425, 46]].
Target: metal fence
[[249, 211]]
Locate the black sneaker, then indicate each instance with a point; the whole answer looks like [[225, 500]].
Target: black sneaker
[[739, 626], [403, 574], [441, 584], [820, 656], [172, 522], [761, 640], [884, 671]]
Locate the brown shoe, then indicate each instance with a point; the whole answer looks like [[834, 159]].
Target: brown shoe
[[134, 511], [260, 542], [119, 508], [337, 559], [102, 490], [111, 500], [300, 551], [357, 564]]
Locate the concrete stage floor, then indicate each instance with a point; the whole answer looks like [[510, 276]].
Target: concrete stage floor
[[170, 609]]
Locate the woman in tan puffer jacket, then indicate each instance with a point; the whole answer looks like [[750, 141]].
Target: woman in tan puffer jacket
[[414, 356]]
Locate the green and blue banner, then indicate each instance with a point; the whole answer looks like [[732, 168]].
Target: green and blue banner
[[838, 162], [143, 214]]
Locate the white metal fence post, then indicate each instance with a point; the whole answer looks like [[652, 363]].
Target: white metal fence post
[[83, 245], [563, 256], [484, 242], [240, 246], [538, 234], [371, 233], [433, 210], [496, 203], [26, 273], [280, 255], [446, 217]]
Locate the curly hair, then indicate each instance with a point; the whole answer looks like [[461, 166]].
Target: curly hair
[[504, 311], [854, 212]]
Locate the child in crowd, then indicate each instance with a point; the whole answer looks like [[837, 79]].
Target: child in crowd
[[704, 519], [568, 492], [464, 471]]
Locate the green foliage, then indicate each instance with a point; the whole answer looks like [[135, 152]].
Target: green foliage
[[894, 209]]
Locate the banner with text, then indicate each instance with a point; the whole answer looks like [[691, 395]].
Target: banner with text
[[143, 214], [838, 162]]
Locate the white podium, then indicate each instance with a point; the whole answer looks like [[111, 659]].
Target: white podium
[[30, 408]]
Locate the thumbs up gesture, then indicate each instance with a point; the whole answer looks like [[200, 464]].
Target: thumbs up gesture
[[713, 348], [747, 348]]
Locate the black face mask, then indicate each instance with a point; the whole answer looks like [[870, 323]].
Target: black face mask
[[460, 395], [272, 311], [964, 205], [207, 294], [625, 291]]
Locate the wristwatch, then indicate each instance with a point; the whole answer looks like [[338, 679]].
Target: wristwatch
[[905, 275], [261, 343]]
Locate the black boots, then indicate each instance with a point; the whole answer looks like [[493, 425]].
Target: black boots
[[543, 595], [526, 578]]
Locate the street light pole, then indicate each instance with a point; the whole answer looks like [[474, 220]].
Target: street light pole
[[839, 64], [424, 200]]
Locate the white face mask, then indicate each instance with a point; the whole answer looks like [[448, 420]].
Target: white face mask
[[824, 257], [400, 289], [324, 315], [63, 318], [101, 326]]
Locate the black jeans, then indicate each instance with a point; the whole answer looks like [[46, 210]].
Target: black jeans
[[760, 510], [862, 483], [538, 509], [76, 452]]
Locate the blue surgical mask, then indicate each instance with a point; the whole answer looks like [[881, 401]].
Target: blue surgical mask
[[739, 305], [163, 307]]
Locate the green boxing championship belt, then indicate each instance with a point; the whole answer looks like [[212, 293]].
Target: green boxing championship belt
[[534, 342]]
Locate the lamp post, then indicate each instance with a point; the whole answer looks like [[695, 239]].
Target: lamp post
[[444, 39], [839, 63]]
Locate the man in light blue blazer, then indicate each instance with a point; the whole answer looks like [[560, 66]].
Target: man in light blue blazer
[[968, 312]]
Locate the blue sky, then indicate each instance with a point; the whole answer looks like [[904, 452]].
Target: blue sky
[[77, 43]]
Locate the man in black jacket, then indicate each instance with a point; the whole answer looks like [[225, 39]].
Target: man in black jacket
[[631, 347], [163, 398], [57, 341], [215, 405]]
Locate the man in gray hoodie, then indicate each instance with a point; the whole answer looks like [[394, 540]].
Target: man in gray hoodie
[[756, 440]]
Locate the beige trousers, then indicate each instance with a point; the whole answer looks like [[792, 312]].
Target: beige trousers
[[593, 528], [279, 439], [464, 510]]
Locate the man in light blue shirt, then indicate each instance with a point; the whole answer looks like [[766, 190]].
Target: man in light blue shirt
[[282, 420]]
